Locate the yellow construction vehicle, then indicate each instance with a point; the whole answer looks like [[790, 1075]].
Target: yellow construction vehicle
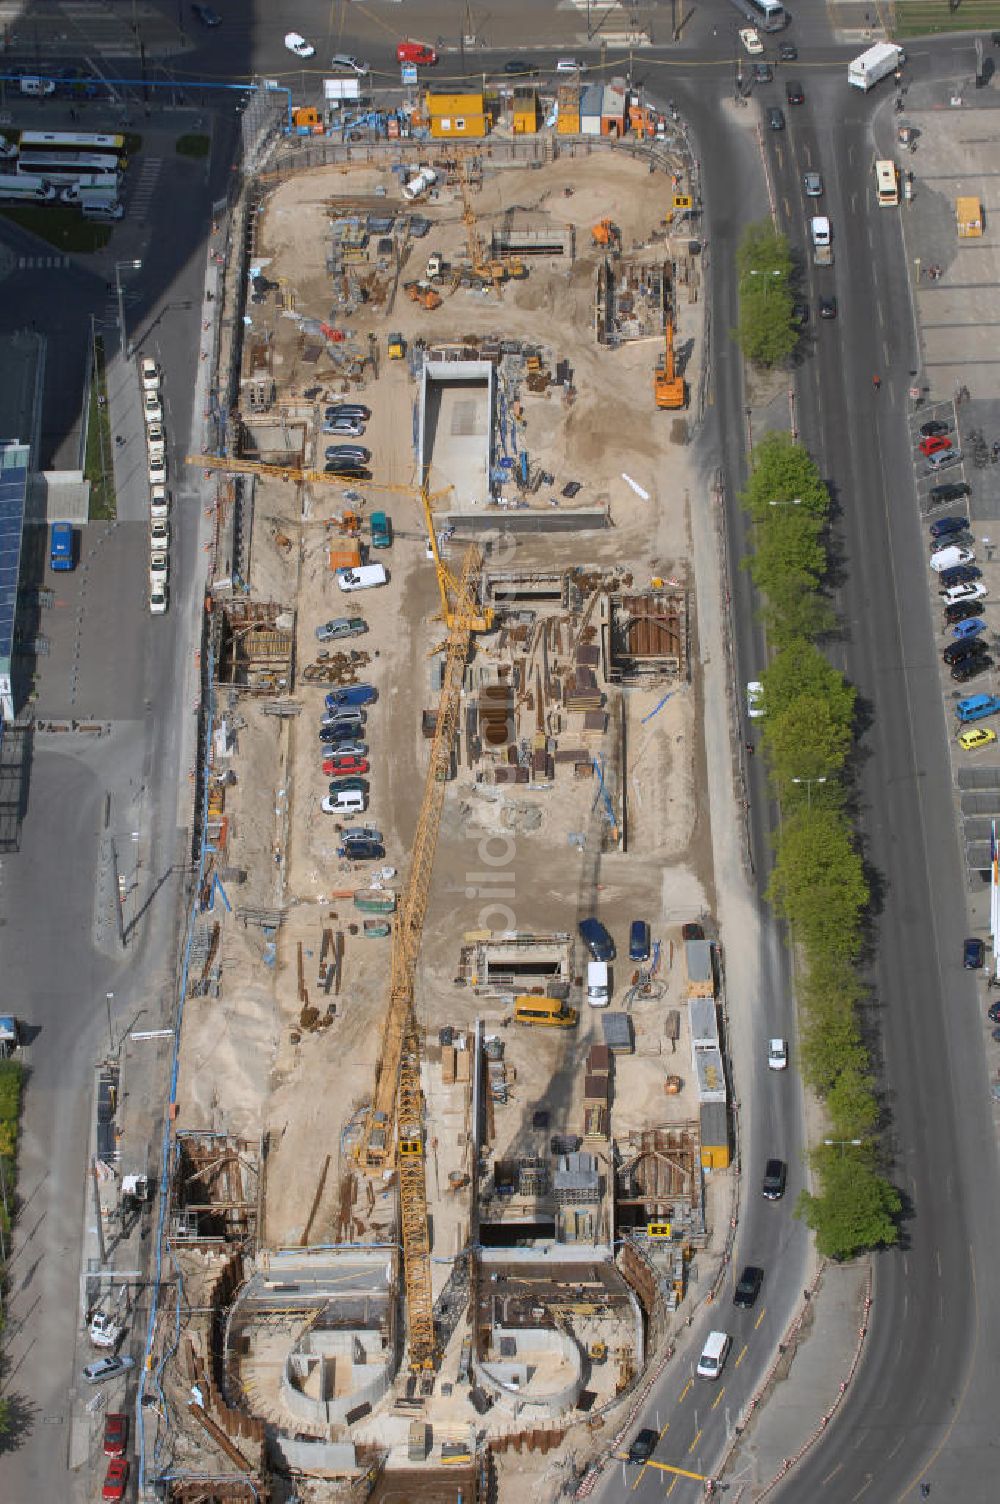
[[396, 345], [669, 388], [606, 233]]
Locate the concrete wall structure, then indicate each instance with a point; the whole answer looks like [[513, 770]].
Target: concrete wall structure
[[345, 1367], [456, 428], [514, 1382]]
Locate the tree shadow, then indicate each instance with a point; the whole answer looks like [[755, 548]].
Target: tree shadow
[[17, 1420]]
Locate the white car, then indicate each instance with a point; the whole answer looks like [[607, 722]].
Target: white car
[[350, 64], [949, 557], [152, 407], [976, 591], [159, 534], [755, 700], [159, 502], [570, 65], [158, 471], [150, 374], [751, 41], [159, 569], [777, 1054], [156, 441], [157, 599], [299, 45]]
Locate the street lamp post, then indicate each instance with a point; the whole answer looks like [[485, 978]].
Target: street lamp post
[[809, 790], [133, 266]]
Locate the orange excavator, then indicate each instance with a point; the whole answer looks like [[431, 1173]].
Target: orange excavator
[[607, 233], [669, 388]]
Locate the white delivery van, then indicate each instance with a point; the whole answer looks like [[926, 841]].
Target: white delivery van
[[365, 577], [345, 802], [820, 226], [598, 991], [947, 558], [714, 1355]]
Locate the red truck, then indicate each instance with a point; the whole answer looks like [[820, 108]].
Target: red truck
[[416, 52]]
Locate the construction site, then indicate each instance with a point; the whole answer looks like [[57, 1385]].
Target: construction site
[[434, 1202]]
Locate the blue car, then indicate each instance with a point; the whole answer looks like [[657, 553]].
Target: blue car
[[975, 707], [959, 574], [597, 940], [945, 527], [351, 694], [638, 940], [970, 628]]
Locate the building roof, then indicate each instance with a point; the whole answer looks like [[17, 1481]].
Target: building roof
[[13, 489]]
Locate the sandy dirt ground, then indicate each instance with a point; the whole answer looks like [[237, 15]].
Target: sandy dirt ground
[[249, 1063]]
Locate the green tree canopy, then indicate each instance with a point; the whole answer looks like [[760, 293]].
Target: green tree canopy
[[855, 1208], [783, 471], [805, 740], [801, 669], [818, 884]]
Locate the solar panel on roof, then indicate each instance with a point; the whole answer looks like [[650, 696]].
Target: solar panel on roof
[[13, 490]]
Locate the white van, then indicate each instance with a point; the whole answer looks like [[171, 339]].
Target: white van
[[714, 1355], [39, 87], [947, 558], [820, 227], [365, 577], [598, 991], [346, 802]]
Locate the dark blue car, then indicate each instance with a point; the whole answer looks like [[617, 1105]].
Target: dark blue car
[[944, 527], [959, 574], [351, 694], [597, 940], [638, 940], [973, 953]]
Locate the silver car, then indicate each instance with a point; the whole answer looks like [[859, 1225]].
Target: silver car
[[813, 184], [106, 1368]]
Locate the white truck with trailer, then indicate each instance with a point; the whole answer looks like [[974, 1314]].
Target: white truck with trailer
[[875, 64]]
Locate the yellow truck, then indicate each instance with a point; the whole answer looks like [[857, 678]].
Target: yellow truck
[[969, 218]]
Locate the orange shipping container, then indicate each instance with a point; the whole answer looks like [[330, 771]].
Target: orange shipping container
[[345, 555]]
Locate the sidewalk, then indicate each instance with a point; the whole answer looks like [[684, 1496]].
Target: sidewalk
[[820, 1359]]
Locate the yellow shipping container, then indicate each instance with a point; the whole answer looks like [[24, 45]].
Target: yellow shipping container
[[452, 115], [526, 113]]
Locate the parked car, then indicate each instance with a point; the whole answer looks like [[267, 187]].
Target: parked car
[[972, 628], [970, 668], [643, 1445], [955, 652], [775, 1172], [340, 785], [157, 473], [299, 45], [519, 67], [993, 1013], [748, 1287], [361, 833], [347, 469], [960, 574], [362, 851], [116, 1479], [692, 931], [206, 15], [335, 767], [152, 407], [949, 553], [975, 707], [962, 611], [933, 444], [341, 626], [975, 738], [347, 410], [354, 452], [755, 699], [115, 1434], [950, 491], [344, 802], [933, 427], [159, 503], [828, 308], [973, 953], [351, 694], [349, 428], [777, 1054], [349, 747], [638, 940], [149, 373], [942, 460], [347, 63], [977, 591], [338, 730], [105, 1368], [416, 52], [597, 940]]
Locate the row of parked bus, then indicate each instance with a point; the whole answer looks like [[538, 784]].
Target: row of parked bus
[[65, 167]]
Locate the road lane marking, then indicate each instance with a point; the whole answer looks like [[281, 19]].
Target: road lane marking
[[742, 1355], [760, 1318], [684, 1392], [836, 1470], [673, 1485], [717, 1400], [697, 1438], [666, 1428]]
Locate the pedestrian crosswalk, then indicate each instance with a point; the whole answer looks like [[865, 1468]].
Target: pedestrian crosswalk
[[145, 186], [42, 263]]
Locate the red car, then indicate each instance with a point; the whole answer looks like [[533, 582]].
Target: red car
[[335, 766], [115, 1434], [116, 1480], [416, 52], [933, 443]]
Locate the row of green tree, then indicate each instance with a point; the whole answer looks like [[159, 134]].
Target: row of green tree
[[818, 884], [11, 1082], [768, 331]]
